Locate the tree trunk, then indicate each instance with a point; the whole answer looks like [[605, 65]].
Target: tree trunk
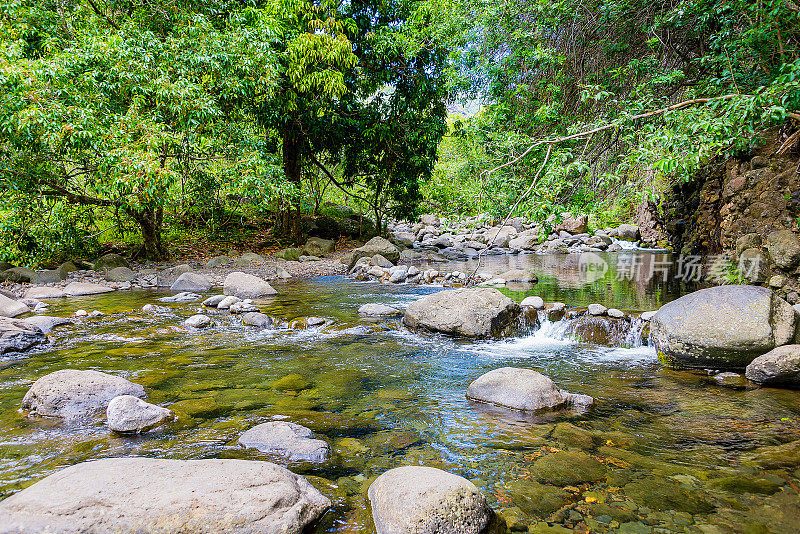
[[292, 168], [150, 221]]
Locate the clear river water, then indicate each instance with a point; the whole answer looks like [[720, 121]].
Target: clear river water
[[677, 452]]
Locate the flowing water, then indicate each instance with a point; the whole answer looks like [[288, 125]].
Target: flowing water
[[676, 452]]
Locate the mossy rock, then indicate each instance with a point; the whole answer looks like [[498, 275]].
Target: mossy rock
[[744, 484], [775, 457], [392, 442], [568, 468], [332, 424], [573, 436], [290, 253], [617, 513], [536, 499], [292, 382], [663, 494], [202, 407]]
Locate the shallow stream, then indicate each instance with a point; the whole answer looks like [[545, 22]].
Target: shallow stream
[[676, 451]]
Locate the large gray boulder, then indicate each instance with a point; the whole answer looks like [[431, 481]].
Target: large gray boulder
[[291, 441], [12, 308], [110, 261], [723, 327], [778, 367], [426, 500], [19, 275], [628, 232], [473, 312], [129, 414], [168, 276], [784, 248], [376, 245], [49, 276], [574, 225], [43, 292], [80, 289], [522, 389], [120, 274], [166, 497], [70, 393], [247, 286], [192, 282], [316, 246], [16, 335]]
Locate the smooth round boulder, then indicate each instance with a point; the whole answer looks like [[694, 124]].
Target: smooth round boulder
[[198, 321], [378, 310], [70, 393], [778, 367], [473, 312], [246, 286], [257, 319], [291, 441], [533, 302], [597, 309], [426, 500], [166, 496], [316, 246], [168, 276], [192, 282], [784, 248], [522, 389], [724, 327], [129, 414]]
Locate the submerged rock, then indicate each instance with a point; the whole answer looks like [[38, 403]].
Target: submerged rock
[[71, 393], [425, 500], [664, 494], [473, 312], [568, 468], [247, 286], [17, 335], [166, 496], [129, 414], [293, 442], [723, 327], [778, 367], [522, 389]]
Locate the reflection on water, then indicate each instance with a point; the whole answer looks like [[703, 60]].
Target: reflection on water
[[630, 280], [385, 397]]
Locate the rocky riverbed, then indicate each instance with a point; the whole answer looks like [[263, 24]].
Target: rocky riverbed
[[531, 405]]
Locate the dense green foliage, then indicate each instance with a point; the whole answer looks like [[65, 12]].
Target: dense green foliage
[[157, 114], [549, 69], [120, 116]]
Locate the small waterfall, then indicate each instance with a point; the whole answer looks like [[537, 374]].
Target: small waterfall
[[634, 337]]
